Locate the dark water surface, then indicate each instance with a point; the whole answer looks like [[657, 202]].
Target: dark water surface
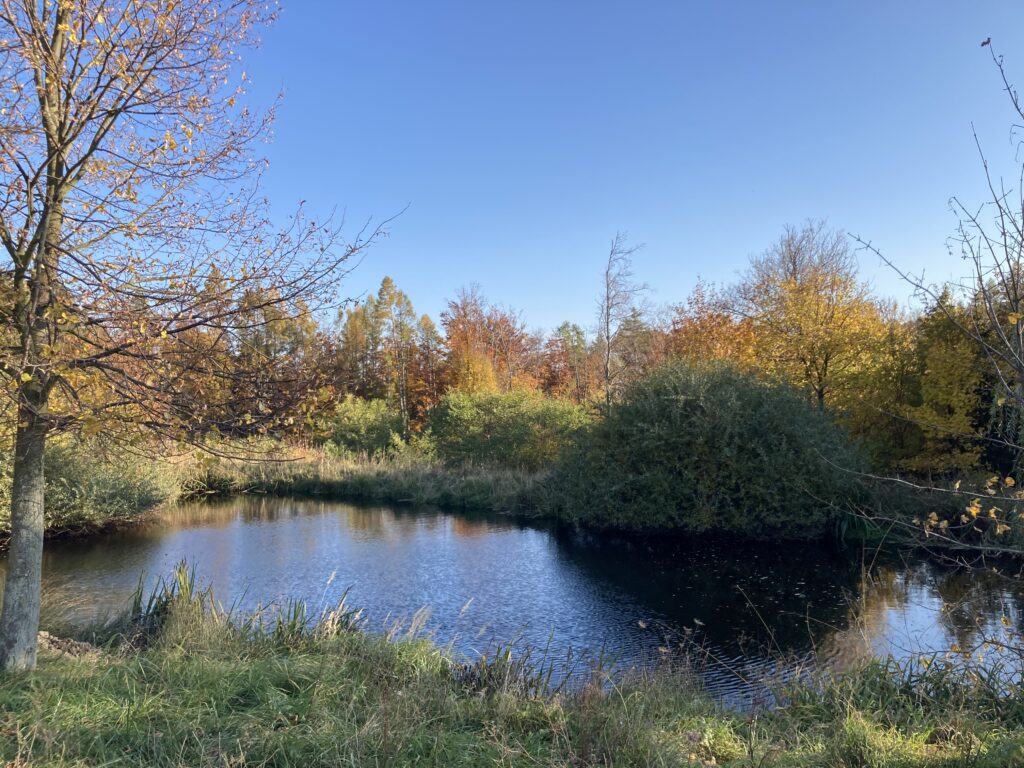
[[472, 581]]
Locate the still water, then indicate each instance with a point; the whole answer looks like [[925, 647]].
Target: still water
[[472, 581]]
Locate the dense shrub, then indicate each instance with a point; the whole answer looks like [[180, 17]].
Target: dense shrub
[[364, 427], [523, 430], [710, 450], [87, 488]]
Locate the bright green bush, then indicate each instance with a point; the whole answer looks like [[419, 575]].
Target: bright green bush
[[87, 488], [710, 450], [364, 427], [522, 430]]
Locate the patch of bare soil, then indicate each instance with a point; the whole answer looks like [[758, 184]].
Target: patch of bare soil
[[65, 647]]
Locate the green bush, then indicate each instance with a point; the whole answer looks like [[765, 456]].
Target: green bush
[[364, 427], [88, 488], [710, 450], [521, 430]]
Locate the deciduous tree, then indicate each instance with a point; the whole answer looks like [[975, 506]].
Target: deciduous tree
[[618, 303], [129, 211], [814, 320]]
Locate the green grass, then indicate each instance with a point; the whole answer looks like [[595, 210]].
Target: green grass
[[182, 684]]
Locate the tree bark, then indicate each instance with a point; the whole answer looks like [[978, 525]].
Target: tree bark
[[19, 617]]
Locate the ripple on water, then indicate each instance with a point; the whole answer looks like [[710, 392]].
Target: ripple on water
[[736, 609]]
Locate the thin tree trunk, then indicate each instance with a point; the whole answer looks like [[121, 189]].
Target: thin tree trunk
[[19, 617]]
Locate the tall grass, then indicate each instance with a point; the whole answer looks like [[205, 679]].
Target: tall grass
[[298, 687], [423, 481], [88, 487]]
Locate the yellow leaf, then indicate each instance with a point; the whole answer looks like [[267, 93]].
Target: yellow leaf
[[1001, 529], [1009, 482], [1014, 317], [26, 376]]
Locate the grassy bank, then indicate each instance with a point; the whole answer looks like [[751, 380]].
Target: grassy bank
[[311, 473], [182, 685], [90, 487], [90, 490]]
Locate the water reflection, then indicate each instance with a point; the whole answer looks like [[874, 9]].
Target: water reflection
[[489, 578]]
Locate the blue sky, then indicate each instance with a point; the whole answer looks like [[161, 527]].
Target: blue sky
[[523, 135]]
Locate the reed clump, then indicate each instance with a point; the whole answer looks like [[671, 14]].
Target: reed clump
[[306, 473]]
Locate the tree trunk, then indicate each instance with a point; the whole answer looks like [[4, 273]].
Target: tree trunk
[[19, 617]]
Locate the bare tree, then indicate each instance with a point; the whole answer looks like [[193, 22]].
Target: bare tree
[[617, 305], [987, 304], [132, 221]]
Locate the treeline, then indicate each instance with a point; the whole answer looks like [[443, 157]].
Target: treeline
[[758, 409], [917, 392], [914, 390]]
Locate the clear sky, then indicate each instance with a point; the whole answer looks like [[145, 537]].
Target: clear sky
[[523, 135]]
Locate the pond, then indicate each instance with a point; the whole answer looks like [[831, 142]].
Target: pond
[[472, 581]]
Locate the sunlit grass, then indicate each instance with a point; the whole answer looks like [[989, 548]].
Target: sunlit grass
[[420, 481], [180, 682]]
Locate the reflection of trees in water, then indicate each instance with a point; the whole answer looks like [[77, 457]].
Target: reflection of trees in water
[[375, 520], [785, 598], [221, 514], [382, 520], [471, 529], [389, 523], [973, 603], [880, 591], [910, 607]]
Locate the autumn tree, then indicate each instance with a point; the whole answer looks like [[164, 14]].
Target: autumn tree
[[973, 350], [514, 350], [429, 368], [278, 346], [950, 386], [814, 320], [876, 398], [990, 239], [131, 218], [470, 364], [568, 364], [360, 362], [377, 349], [642, 344], [703, 331]]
